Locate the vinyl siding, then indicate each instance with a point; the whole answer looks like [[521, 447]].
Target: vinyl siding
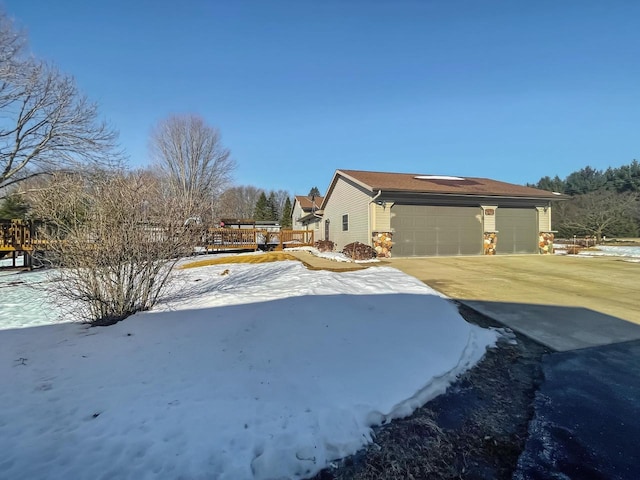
[[297, 213], [544, 219], [381, 217], [350, 199], [489, 221]]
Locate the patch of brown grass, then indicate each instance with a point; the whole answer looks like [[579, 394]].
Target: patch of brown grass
[[264, 258]]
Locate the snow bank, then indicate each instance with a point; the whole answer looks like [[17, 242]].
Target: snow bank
[[267, 371]]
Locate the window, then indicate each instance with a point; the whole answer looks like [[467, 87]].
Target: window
[[345, 223]]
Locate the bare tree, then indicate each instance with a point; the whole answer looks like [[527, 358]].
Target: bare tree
[[193, 162], [598, 213], [115, 244], [238, 202], [47, 125]]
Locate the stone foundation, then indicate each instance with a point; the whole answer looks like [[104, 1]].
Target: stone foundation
[[545, 242], [490, 243], [383, 243]]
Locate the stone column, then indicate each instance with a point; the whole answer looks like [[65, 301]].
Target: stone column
[[545, 242], [490, 243], [383, 243]]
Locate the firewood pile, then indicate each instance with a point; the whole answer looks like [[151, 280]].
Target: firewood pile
[[324, 245], [383, 242], [359, 251]]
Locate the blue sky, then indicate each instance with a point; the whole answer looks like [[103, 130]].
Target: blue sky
[[511, 90]]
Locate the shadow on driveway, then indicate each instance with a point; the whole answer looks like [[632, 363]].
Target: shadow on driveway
[[558, 327]]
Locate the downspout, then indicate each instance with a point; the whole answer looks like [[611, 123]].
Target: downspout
[[376, 196]]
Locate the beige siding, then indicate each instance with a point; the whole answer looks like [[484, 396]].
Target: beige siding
[[297, 213], [381, 217], [489, 221], [350, 199], [544, 218]]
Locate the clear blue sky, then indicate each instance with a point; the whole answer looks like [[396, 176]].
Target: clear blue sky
[[511, 90]]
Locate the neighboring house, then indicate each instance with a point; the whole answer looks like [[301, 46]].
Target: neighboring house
[[306, 214], [426, 215]]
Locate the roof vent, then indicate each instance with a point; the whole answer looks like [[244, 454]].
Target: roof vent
[[437, 177]]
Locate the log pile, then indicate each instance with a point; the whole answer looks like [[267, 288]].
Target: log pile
[[359, 251], [490, 243], [546, 242], [382, 243], [324, 245]]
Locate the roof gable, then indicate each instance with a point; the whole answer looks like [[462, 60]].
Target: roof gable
[[306, 204]]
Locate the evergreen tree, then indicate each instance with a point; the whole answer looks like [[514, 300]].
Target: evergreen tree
[[13, 206], [285, 220], [262, 210], [272, 204], [314, 192]]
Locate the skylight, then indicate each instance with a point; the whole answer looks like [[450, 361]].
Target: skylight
[[437, 177]]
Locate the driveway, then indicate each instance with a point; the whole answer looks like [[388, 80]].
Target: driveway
[[608, 285]]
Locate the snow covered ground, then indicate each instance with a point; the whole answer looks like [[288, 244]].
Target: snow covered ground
[[265, 371], [631, 254], [616, 251]]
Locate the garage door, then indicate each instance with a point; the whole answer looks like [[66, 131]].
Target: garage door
[[421, 230], [517, 230]]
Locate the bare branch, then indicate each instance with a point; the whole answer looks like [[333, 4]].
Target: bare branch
[[192, 161]]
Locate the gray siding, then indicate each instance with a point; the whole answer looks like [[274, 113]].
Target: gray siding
[[353, 200]]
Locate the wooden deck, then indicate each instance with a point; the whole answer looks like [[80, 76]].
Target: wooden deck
[[221, 239], [18, 237]]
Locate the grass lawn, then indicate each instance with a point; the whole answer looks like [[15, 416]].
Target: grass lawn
[[606, 284]]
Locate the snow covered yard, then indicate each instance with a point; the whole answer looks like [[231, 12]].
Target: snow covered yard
[[264, 371]]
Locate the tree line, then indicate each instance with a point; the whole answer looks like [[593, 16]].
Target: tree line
[[601, 203]]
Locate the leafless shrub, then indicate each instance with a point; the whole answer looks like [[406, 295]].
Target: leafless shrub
[[115, 244]]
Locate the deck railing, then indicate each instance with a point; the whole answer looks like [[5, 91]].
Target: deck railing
[[296, 238], [15, 236]]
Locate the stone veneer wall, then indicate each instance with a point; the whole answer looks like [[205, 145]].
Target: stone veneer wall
[[383, 243], [490, 242], [546, 242]]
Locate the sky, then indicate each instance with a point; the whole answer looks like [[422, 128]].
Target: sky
[[509, 90]]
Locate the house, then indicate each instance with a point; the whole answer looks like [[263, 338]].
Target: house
[[305, 214], [424, 215]]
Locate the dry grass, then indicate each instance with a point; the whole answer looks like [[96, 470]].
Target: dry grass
[[264, 258], [319, 263]]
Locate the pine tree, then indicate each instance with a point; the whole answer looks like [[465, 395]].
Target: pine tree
[[285, 220], [13, 206], [272, 204], [262, 210], [314, 192]]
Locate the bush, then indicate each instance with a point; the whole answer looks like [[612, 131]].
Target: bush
[[115, 241]]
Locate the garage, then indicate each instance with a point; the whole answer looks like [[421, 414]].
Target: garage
[[423, 230], [517, 230]]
